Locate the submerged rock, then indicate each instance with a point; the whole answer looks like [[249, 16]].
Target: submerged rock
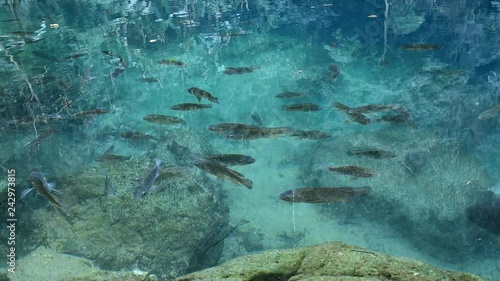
[[486, 214], [329, 261]]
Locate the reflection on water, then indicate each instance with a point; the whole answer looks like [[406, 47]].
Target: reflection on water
[[95, 94]]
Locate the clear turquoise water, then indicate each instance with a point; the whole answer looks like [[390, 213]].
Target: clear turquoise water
[[291, 43]]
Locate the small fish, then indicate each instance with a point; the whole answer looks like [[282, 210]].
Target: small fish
[[289, 95], [257, 133], [163, 119], [119, 70], [372, 153], [144, 189], [97, 111], [402, 116], [22, 33], [304, 107], [356, 117], [171, 62], [108, 53], [199, 94], [239, 70], [323, 194], [227, 127], [75, 56], [420, 47], [372, 108], [334, 71], [43, 136], [231, 159], [136, 135], [312, 135], [190, 106], [354, 171], [149, 80], [112, 158], [45, 188], [490, 113], [109, 187], [224, 172]]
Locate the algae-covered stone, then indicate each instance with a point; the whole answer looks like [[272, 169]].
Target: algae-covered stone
[[178, 228], [329, 261]]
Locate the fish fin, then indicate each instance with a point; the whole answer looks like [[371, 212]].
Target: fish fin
[[246, 182], [26, 191], [198, 98]]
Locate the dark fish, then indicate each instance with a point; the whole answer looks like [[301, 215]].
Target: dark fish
[[117, 71], [356, 117], [11, 20], [372, 108], [92, 112], [256, 133], [199, 94], [109, 187], [190, 106], [149, 80], [45, 55], [420, 47], [172, 174], [301, 107], [289, 95], [108, 53], [112, 158], [372, 153], [312, 135], [231, 159], [45, 188], [171, 62], [334, 71], [22, 33], [31, 41], [487, 114], [224, 172], [323, 194], [41, 137], [402, 117], [239, 70], [75, 56], [163, 119], [227, 127], [354, 171], [136, 135], [154, 173]]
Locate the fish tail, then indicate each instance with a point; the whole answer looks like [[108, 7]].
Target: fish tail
[[246, 182]]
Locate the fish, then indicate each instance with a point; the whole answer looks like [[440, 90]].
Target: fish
[[356, 117], [109, 187], [149, 80], [172, 174], [171, 62], [312, 135], [402, 117], [304, 107], [45, 55], [289, 95], [227, 127], [46, 189], [163, 119], [190, 106], [334, 71], [372, 153], [224, 172], [146, 187], [486, 214], [22, 33], [87, 113], [372, 108], [354, 171], [231, 159], [323, 194], [136, 135], [256, 133], [41, 137], [112, 158], [75, 56], [490, 113], [420, 47], [199, 94], [119, 70], [239, 70]]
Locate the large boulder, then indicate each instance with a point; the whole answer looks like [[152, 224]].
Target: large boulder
[[329, 261]]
